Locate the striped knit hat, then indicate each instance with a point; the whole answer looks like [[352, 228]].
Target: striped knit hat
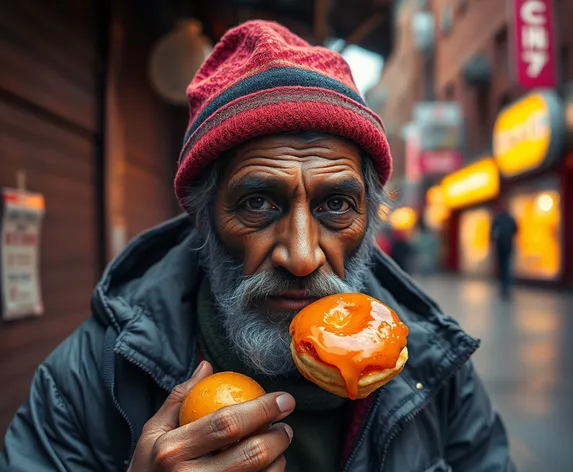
[[262, 79]]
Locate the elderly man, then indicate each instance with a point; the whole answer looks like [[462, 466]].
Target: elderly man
[[282, 173]]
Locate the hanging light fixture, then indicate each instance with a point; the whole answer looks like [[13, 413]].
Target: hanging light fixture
[[176, 58]]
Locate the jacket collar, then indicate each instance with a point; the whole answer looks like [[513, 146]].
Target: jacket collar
[[148, 295]]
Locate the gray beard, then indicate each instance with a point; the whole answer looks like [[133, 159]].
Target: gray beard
[[260, 339]]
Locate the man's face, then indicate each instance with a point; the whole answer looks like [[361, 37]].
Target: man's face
[[290, 220]]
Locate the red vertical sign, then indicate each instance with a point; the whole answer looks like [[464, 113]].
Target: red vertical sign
[[534, 43], [412, 148]]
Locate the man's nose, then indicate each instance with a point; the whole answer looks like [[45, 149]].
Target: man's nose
[[297, 249]]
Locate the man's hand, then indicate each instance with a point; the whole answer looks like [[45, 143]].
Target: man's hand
[[228, 440]]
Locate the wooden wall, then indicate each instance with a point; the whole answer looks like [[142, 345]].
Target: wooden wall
[[51, 126], [153, 136], [48, 127]]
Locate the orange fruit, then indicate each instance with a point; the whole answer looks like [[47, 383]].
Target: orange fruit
[[215, 392]]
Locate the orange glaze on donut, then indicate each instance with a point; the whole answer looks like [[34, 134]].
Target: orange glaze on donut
[[353, 332]]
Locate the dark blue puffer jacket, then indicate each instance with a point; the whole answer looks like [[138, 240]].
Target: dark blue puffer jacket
[[91, 397]]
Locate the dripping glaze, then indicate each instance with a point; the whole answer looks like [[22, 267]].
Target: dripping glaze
[[354, 333]]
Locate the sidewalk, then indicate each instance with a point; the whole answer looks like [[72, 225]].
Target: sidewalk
[[525, 361]]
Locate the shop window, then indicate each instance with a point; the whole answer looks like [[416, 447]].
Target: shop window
[[484, 122], [475, 250], [501, 51], [462, 4], [447, 18], [429, 89], [538, 241], [450, 92], [504, 100]]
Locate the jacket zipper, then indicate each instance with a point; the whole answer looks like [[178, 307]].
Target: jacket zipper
[[108, 367], [400, 426], [132, 442], [410, 416], [362, 434], [145, 369]]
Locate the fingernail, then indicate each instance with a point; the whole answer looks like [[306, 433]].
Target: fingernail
[[289, 432], [197, 370], [285, 402]]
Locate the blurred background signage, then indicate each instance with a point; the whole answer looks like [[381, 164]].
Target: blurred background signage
[[534, 43], [476, 183], [440, 125], [440, 162], [21, 220], [529, 134], [411, 137], [439, 128], [436, 212]]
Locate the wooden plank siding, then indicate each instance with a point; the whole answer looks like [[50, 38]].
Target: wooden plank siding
[[151, 141], [49, 103], [51, 127]]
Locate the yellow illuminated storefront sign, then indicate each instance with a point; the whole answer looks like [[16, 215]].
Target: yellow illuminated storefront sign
[[436, 212], [435, 196], [528, 133], [476, 183]]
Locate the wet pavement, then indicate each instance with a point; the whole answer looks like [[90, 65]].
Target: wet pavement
[[525, 361]]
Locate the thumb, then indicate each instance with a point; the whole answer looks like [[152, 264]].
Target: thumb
[[167, 418]]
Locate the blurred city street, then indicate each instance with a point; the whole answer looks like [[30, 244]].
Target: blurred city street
[[452, 120], [524, 360]]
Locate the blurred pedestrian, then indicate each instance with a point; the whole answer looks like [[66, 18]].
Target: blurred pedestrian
[[401, 250], [503, 231], [426, 249]]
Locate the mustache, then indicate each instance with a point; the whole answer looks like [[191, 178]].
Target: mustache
[[272, 283]]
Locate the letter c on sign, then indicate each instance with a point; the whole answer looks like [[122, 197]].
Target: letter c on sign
[[532, 12]]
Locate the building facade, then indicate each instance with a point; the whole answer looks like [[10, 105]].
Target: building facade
[[474, 61], [401, 85]]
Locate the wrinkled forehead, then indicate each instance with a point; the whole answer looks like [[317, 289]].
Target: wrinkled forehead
[[315, 154]]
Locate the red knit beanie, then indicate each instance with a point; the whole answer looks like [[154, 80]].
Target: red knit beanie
[[262, 79]]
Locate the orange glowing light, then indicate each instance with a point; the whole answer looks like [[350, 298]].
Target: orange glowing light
[[403, 219]]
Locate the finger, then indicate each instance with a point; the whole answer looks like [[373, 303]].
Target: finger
[[226, 426], [277, 466], [253, 454], [167, 417]]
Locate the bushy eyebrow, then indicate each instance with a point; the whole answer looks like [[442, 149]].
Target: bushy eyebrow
[[348, 185], [250, 183], [253, 184]]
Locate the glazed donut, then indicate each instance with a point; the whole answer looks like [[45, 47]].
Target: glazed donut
[[348, 344]]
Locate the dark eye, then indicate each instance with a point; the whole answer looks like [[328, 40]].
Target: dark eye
[[258, 204], [337, 205]]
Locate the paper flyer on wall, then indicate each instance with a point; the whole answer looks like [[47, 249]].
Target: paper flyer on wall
[[21, 215]]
